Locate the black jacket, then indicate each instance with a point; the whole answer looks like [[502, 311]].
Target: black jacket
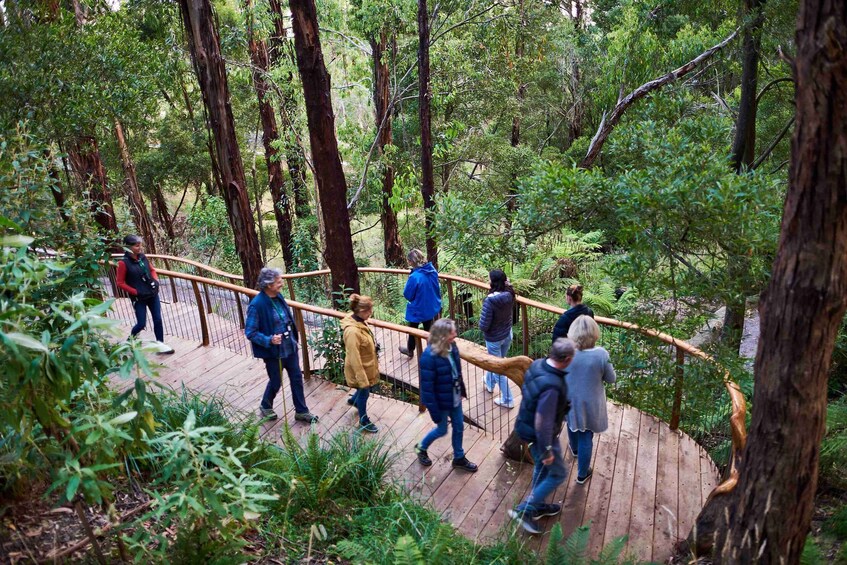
[[565, 320], [542, 378]]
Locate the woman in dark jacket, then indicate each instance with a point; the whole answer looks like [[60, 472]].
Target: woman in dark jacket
[[442, 390], [576, 308], [495, 321]]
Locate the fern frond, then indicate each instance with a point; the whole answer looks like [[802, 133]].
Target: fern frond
[[407, 552]]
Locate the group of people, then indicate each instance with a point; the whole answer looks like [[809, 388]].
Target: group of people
[[564, 389]]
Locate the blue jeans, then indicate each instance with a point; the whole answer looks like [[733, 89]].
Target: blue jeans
[[458, 419], [295, 376], [583, 444], [141, 305], [360, 401], [500, 349], [545, 478]]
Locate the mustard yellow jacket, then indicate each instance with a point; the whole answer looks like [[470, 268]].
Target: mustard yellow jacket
[[361, 368]]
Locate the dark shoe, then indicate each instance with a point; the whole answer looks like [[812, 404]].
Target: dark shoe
[[548, 510], [351, 401], [465, 465], [574, 453], [268, 414], [305, 417], [581, 480], [366, 425], [526, 520], [405, 351], [423, 456]]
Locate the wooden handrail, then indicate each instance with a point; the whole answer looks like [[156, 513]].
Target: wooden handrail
[[515, 366]]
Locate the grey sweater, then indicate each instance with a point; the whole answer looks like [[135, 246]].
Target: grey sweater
[[586, 374]]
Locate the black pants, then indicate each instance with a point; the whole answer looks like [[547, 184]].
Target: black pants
[[426, 326]]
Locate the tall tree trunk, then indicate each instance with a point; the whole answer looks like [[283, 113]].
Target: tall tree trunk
[[133, 194], [161, 206], [204, 44], [512, 197], [270, 135], [425, 113], [85, 160], [332, 186], [294, 155], [392, 248], [743, 154], [766, 518]]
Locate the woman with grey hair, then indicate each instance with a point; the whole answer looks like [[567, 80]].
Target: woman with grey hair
[[273, 336], [424, 295], [591, 367], [442, 389]]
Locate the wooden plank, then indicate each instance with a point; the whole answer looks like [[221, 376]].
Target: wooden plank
[[456, 497], [644, 491], [666, 516], [600, 485], [489, 501], [499, 522], [689, 484], [708, 476], [621, 494]]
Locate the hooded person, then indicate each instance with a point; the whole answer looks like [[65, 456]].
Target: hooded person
[[424, 295]]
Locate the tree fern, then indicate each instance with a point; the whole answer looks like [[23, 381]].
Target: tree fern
[[406, 552]]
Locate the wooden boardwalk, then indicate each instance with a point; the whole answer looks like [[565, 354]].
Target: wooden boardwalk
[[649, 483]]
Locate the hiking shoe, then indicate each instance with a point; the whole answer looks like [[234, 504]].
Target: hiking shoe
[[405, 351], [509, 405], [465, 465], [307, 417], [488, 388], [581, 480], [163, 348], [366, 425], [351, 401], [548, 510], [574, 453], [268, 413], [423, 456], [526, 520]]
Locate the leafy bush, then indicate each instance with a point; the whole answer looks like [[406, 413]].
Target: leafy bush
[[329, 346]]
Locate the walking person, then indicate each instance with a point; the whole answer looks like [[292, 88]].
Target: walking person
[[138, 278], [591, 368], [544, 407], [495, 321], [573, 296], [361, 368], [442, 390], [270, 328], [424, 295]]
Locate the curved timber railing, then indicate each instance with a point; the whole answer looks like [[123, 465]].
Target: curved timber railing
[[218, 299]]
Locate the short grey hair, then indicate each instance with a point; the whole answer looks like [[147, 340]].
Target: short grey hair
[[562, 349], [267, 276]]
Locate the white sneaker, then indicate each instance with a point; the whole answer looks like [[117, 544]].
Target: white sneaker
[[163, 348], [488, 388], [499, 402]]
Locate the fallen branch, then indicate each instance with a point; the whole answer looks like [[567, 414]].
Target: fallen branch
[[610, 120], [81, 544]]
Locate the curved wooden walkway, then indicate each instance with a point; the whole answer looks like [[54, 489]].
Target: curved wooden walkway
[[649, 483]]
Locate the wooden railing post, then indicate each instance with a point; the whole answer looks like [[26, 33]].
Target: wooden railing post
[[451, 300], [239, 308], [525, 330], [173, 283], [304, 342], [204, 324], [291, 289], [677, 393], [419, 351], [208, 302]]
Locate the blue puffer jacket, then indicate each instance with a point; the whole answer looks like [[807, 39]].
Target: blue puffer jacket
[[437, 382], [495, 321], [423, 293]]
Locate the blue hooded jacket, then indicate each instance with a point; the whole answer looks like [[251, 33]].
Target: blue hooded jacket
[[423, 293]]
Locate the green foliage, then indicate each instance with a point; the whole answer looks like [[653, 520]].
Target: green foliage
[[407, 552], [209, 497], [211, 234], [329, 346], [575, 551], [833, 462]]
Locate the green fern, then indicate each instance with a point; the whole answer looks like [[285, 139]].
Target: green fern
[[575, 548], [407, 552], [611, 552], [555, 550]]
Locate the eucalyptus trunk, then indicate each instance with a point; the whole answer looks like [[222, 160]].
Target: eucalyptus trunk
[[766, 517], [425, 115], [204, 44], [84, 155], [332, 185], [136, 202], [270, 137], [392, 247], [294, 154]]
